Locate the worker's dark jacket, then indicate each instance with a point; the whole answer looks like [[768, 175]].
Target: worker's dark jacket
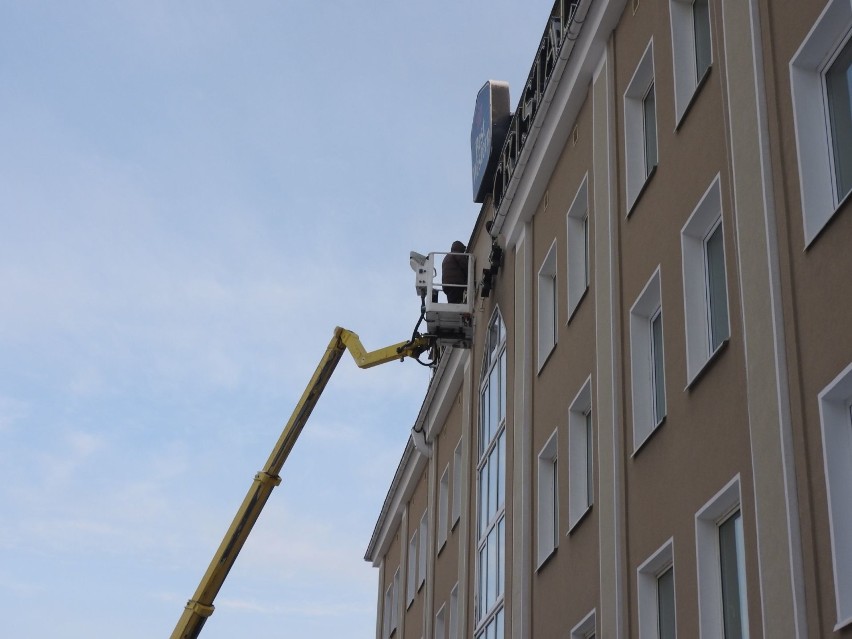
[[454, 271]]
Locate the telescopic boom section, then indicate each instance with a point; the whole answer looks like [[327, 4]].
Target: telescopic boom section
[[200, 607]]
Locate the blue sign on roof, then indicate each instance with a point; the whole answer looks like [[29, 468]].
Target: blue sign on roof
[[490, 122]]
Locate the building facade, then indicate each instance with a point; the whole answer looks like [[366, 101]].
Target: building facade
[[651, 435]]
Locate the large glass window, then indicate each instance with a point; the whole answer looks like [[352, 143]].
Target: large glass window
[[647, 361], [491, 486], [577, 224], [835, 411], [701, 33], [657, 366], [705, 287], [411, 574], [692, 49], [733, 589], [548, 500], [655, 594], [820, 81], [721, 576], [590, 459], [581, 485], [717, 290], [838, 88], [443, 507], [649, 121], [640, 127], [666, 604], [548, 324]]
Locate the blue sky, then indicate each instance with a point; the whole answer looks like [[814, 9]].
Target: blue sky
[[193, 195]]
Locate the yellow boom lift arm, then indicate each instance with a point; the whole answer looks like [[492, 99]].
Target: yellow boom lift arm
[[200, 607]]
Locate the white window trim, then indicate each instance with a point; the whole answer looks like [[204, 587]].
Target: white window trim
[[578, 471], [641, 366], [578, 247], [440, 631], [703, 219], [810, 116], [586, 628], [646, 589], [394, 603], [548, 316], [458, 484], [636, 173], [707, 520], [411, 575], [421, 563], [453, 627], [443, 508], [547, 512], [836, 422], [387, 615], [686, 80]]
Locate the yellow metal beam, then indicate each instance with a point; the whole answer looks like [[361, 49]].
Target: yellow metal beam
[[364, 359], [200, 607]]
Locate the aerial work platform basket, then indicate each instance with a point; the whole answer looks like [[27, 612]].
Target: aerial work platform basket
[[445, 284]]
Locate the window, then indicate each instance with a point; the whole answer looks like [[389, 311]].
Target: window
[[691, 48], [581, 486], [649, 127], [722, 609], [640, 127], [647, 362], [705, 289], [421, 563], [547, 316], [411, 575], [388, 612], [457, 484], [586, 628], [731, 566], [666, 604], [453, 631], [491, 486], [657, 367], [440, 623], [578, 247], [656, 593], [821, 82], [838, 86], [548, 501], [443, 507], [701, 34], [835, 408], [389, 621]]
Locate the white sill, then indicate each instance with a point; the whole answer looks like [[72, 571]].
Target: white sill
[[580, 520], [809, 241], [546, 560], [648, 437], [843, 624], [692, 98], [573, 311], [546, 358], [644, 186], [706, 365]]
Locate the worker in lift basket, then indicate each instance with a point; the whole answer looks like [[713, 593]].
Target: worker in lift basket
[[454, 273]]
